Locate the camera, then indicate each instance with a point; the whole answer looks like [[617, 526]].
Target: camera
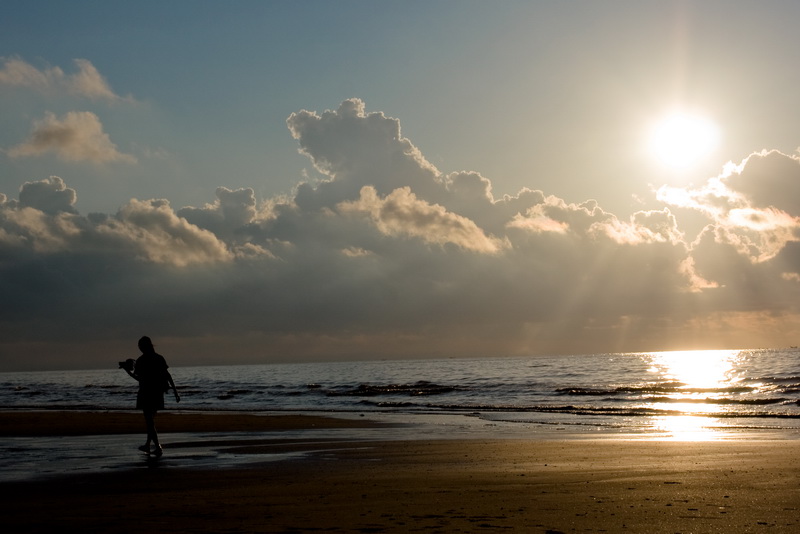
[[127, 364]]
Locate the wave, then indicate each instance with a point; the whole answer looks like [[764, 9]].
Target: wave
[[722, 401], [417, 389], [607, 411], [777, 379], [676, 387]]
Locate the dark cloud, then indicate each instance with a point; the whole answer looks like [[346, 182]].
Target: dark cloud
[[388, 257], [232, 211], [50, 196], [769, 179]]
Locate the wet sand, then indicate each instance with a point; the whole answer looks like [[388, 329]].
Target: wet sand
[[97, 423], [463, 485]]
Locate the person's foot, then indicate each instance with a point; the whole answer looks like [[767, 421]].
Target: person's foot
[[158, 451], [145, 449]]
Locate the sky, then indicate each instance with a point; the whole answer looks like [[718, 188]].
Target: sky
[[253, 181]]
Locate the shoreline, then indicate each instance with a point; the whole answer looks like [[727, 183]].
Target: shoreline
[[30, 423], [27, 422], [310, 473]]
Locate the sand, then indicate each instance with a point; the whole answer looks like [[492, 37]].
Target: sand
[[464, 485]]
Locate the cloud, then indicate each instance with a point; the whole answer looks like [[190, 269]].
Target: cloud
[[354, 148], [753, 207], [387, 256], [400, 213], [50, 196], [768, 179], [231, 211], [78, 136], [87, 82], [157, 234], [747, 254], [45, 221]]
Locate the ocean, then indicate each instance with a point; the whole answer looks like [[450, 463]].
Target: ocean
[[691, 395]]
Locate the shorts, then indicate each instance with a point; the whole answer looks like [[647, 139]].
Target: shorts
[[149, 401]]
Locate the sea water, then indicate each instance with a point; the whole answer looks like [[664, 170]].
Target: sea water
[[681, 394]]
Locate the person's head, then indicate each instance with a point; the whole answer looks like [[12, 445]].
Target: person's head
[[145, 345]]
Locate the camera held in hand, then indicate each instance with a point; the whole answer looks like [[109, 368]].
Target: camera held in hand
[[128, 364]]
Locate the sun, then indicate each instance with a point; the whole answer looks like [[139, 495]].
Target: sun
[[681, 140]]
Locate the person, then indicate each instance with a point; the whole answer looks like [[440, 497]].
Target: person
[[151, 371]]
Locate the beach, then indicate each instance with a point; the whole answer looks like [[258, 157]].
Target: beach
[[414, 485]]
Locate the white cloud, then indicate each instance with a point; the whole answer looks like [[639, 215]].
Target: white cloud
[[159, 235], [536, 221], [355, 252], [90, 83], [43, 221], [30, 228], [78, 136], [86, 82], [401, 213]]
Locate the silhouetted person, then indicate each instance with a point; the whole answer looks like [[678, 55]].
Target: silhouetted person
[[150, 369]]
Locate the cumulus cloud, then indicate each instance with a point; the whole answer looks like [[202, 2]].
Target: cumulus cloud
[[747, 254], [77, 136], [161, 236], [50, 196], [387, 256], [400, 213], [231, 211], [768, 179], [85, 82], [44, 220], [354, 148], [752, 207]]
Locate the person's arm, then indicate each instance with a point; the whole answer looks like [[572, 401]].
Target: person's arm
[[130, 367], [172, 385]]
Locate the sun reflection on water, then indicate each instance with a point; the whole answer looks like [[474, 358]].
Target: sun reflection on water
[[697, 368], [687, 382]]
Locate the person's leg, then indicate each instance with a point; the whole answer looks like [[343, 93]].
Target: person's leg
[[152, 434], [149, 421]]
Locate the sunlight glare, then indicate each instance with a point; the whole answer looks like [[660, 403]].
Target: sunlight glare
[[687, 428], [696, 368], [680, 140], [696, 375]]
